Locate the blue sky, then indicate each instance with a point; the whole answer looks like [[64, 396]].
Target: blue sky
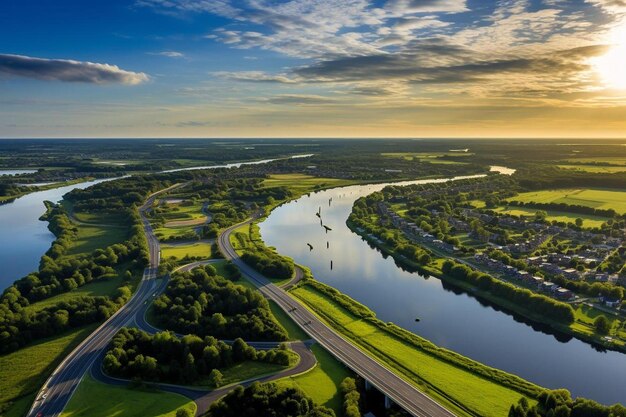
[[312, 68]]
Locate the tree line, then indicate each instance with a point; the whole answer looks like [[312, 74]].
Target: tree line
[[203, 303], [60, 272], [267, 399], [524, 298], [163, 357], [20, 325], [559, 403]]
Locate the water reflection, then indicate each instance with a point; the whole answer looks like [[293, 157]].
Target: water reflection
[[23, 237], [448, 316]]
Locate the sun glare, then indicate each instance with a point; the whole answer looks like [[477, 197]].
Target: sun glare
[[612, 66]]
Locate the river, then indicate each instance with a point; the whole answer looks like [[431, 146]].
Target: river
[[24, 238], [448, 317]]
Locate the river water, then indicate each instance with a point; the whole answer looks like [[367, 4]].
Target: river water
[[24, 238], [448, 317]]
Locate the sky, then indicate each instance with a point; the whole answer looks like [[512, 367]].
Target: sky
[[313, 68]]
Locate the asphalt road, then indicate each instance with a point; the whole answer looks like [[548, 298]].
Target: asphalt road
[[58, 389], [401, 392]]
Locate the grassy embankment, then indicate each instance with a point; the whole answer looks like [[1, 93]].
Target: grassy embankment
[[467, 387], [22, 372], [322, 382], [122, 401]]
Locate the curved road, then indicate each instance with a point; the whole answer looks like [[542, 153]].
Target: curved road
[[61, 385], [400, 391], [58, 389]]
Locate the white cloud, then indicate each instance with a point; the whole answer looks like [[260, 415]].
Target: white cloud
[[67, 70], [168, 54], [403, 7], [612, 6]]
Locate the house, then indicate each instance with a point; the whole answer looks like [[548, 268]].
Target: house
[[610, 302], [548, 287], [571, 273], [537, 281], [563, 294]]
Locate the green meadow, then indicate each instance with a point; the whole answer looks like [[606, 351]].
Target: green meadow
[[22, 372], [589, 197], [462, 390], [123, 401]]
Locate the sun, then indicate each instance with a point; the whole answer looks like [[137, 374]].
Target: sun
[[612, 66]]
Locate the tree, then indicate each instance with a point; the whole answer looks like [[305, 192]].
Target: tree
[[216, 378], [579, 222], [602, 324], [183, 412]]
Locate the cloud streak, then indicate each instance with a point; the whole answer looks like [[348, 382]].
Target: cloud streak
[[67, 70], [168, 54]]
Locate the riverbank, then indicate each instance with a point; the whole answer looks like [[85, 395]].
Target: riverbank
[[439, 372], [574, 329], [47, 187], [468, 387]]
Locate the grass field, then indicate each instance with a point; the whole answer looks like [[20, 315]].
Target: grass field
[[322, 382], [559, 216], [613, 160], [221, 270], [97, 218], [23, 372], [96, 288], [430, 157], [431, 374], [182, 211], [303, 183], [595, 168], [585, 315], [201, 249], [121, 401], [293, 330], [91, 238], [168, 233], [248, 370], [589, 197]]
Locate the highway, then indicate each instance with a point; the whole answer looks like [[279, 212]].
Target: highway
[[58, 389], [61, 385], [397, 389]]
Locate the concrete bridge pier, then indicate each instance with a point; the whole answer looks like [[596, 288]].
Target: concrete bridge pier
[[388, 402]]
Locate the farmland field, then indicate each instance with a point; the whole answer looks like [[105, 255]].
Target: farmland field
[[303, 183], [595, 168], [559, 216], [589, 197], [433, 158]]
